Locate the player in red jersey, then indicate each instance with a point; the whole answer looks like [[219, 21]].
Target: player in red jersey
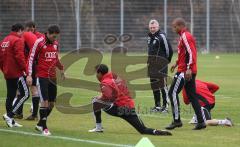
[[30, 27], [206, 91], [30, 36], [116, 101], [45, 51], [185, 76]]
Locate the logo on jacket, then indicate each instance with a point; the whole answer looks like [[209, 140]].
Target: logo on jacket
[[5, 44], [55, 46]]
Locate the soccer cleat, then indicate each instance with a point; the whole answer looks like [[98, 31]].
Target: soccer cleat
[[200, 126], [162, 133], [99, 130], [156, 109], [39, 128], [46, 132], [193, 120], [229, 122], [174, 125], [32, 118], [15, 124], [164, 109], [8, 120]]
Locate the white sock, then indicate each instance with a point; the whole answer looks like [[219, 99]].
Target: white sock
[[99, 125], [222, 122]]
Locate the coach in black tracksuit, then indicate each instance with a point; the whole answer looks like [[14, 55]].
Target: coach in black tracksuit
[[159, 55]]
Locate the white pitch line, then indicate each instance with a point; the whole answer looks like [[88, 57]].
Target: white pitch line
[[66, 138]]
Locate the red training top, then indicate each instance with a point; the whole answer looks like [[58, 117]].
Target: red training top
[[114, 89], [187, 52], [205, 89]]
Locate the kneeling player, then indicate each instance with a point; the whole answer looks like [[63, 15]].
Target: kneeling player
[[115, 100], [206, 91]]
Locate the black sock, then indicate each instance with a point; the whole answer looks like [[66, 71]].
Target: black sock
[[97, 114], [43, 117], [156, 95], [49, 110], [35, 102]]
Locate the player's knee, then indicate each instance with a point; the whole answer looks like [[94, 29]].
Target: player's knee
[[34, 90], [94, 99]]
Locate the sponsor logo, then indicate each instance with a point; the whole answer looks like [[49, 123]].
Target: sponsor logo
[[5, 44], [50, 55]]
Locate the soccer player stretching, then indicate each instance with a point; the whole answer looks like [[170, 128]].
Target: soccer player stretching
[[185, 76], [45, 51], [116, 101], [205, 91]]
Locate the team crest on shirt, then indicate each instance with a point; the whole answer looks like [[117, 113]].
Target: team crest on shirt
[[55, 46], [44, 46]]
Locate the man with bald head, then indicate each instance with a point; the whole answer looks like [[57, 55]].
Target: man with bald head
[[159, 55], [185, 76]]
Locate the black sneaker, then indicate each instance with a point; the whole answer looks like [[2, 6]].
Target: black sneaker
[[164, 109], [200, 126], [18, 116], [156, 109], [31, 117], [174, 125], [162, 133]]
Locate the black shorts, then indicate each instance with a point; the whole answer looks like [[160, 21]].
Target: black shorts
[[47, 89]]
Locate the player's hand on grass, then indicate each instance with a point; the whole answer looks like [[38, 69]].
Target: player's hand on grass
[[173, 67], [29, 80], [188, 75]]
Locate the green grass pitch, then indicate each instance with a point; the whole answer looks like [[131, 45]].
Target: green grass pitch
[[72, 129]]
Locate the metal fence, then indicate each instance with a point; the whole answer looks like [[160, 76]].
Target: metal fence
[[86, 23]]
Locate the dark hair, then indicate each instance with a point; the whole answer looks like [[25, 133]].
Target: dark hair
[[30, 24], [53, 28], [101, 68], [180, 21], [17, 27]]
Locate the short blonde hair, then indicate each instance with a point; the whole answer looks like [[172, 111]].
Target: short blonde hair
[[153, 21]]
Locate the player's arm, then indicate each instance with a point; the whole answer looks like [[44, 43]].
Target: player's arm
[[18, 49], [188, 42], [32, 56], [107, 93], [168, 47], [212, 87], [60, 67]]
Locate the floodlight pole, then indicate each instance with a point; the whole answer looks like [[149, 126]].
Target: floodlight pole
[[33, 10], [192, 17], [122, 20], [208, 27], [77, 11], [165, 16]]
